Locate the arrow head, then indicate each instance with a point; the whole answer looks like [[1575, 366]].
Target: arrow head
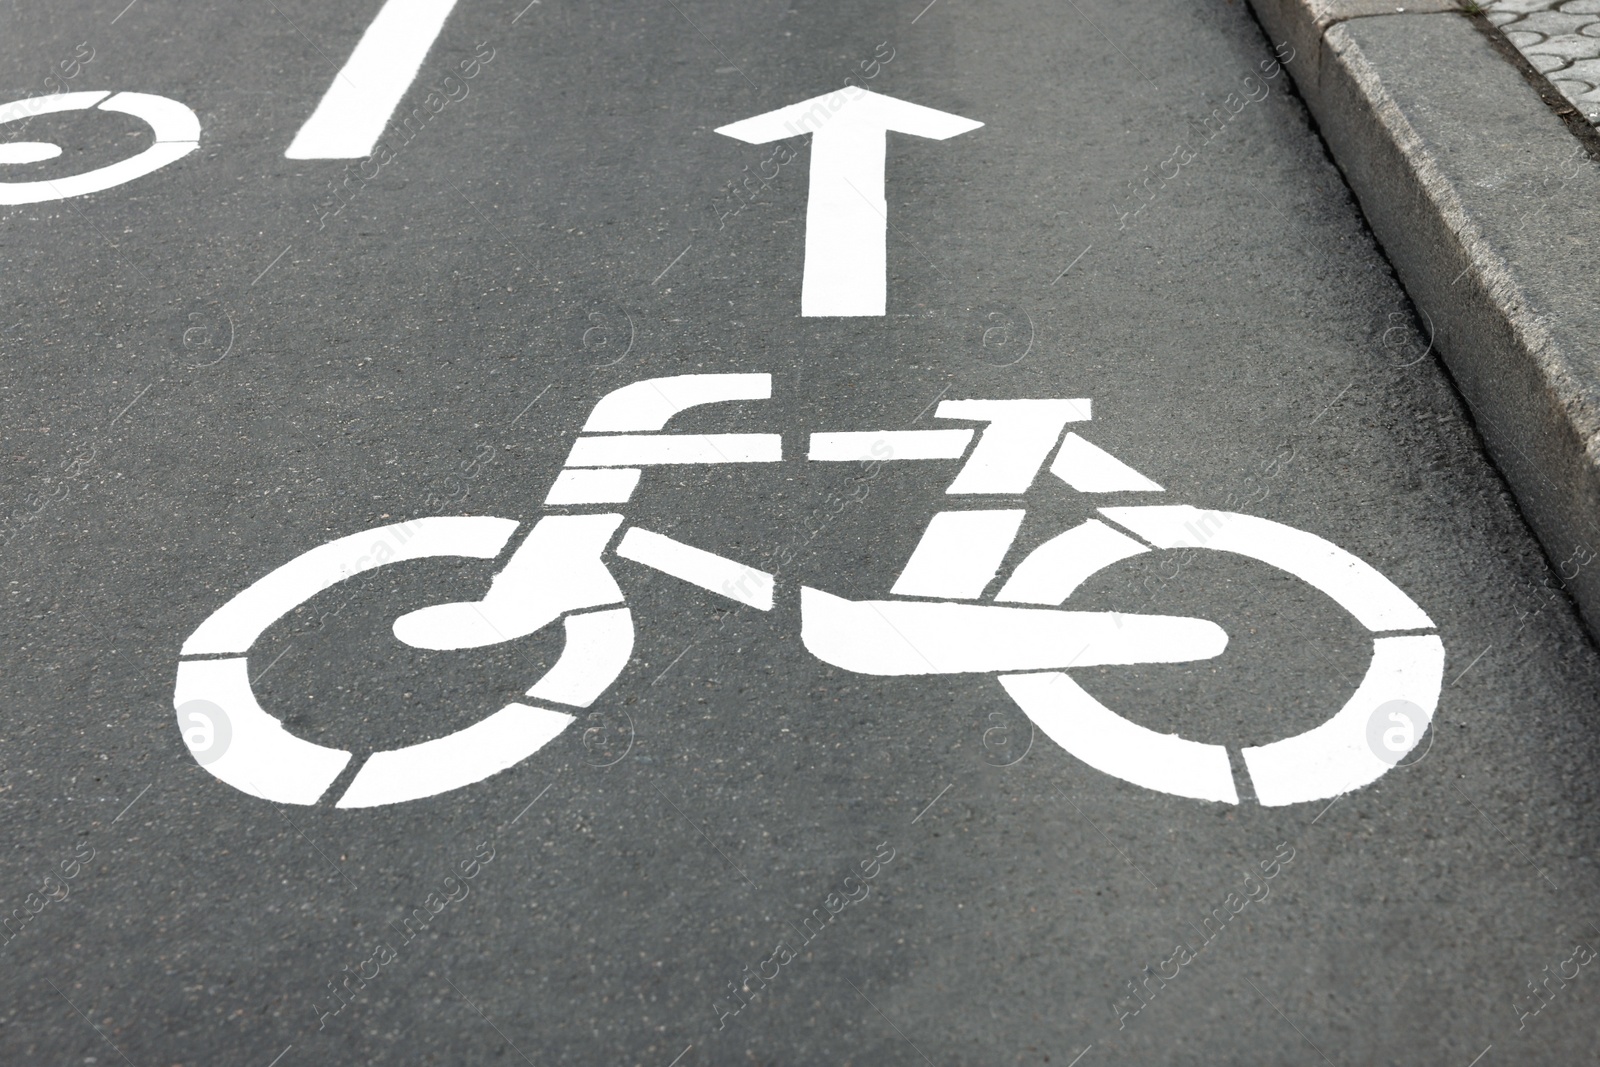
[[850, 108]]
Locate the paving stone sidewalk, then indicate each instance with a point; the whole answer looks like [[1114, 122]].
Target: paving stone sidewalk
[[1561, 38]]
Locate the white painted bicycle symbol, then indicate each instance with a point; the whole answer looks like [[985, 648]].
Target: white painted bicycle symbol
[[937, 620]]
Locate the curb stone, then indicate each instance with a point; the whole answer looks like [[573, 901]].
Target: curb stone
[[1489, 210]]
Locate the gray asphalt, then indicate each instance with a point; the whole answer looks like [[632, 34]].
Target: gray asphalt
[[204, 378]]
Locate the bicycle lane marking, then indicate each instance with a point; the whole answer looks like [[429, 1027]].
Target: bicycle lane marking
[[356, 108]]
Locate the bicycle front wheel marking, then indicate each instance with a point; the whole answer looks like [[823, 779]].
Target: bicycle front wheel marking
[[1326, 761]]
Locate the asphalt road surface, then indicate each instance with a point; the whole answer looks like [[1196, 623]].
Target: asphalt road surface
[[740, 850]]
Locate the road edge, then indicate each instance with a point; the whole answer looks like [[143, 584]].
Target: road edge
[[1504, 321]]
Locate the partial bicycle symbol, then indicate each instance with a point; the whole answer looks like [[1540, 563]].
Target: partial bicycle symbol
[[937, 620], [176, 129]]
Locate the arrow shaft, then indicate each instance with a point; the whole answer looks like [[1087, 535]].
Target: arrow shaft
[[846, 266]]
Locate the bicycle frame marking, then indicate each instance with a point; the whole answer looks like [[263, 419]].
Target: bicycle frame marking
[[559, 571]]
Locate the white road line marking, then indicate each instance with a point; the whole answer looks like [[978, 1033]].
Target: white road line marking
[[352, 114], [285, 1052], [863, 445], [685, 1052]]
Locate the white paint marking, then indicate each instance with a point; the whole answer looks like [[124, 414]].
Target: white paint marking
[[698, 567], [1337, 756], [557, 569], [358, 104], [1050, 573], [846, 261], [648, 404], [485, 748], [959, 553], [630, 450], [685, 1052], [1014, 445], [1089, 468], [1106, 741], [908, 637], [295, 771], [865, 445], [1374, 600], [612, 486], [176, 130], [234, 627], [597, 649], [28, 152], [285, 1052]]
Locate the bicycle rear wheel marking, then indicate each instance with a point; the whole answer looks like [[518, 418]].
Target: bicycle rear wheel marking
[[259, 757]]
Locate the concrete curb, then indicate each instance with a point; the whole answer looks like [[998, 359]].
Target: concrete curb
[[1489, 209]]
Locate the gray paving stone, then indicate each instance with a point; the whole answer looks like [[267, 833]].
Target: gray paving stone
[[1521, 7], [1584, 70], [1567, 46], [1583, 7], [1523, 40], [1555, 22]]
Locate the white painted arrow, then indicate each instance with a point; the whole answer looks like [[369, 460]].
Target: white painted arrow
[[846, 216]]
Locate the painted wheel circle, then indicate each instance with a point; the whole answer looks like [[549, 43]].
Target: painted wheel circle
[[237, 741], [176, 129], [1335, 757]]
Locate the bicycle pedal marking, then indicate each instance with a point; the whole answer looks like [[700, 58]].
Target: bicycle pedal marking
[[176, 130]]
